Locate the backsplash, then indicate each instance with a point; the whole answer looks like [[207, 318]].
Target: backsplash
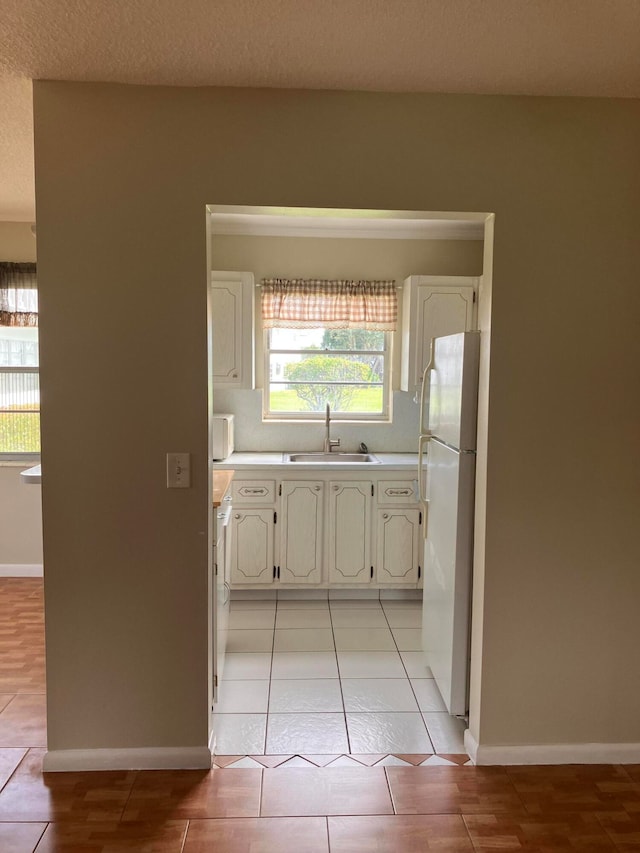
[[252, 434]]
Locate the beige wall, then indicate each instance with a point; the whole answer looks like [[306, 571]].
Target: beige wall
[[123, 175], [21, 515], [310, 257], [333, 257], [17, 242], [20, 520]]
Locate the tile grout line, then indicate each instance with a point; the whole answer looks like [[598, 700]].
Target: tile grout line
[[13, 772], [15, 696], [344, 708], [624, 770], [421, 712], [184, 837], [47, 824], [386, 777], [517, 792], [424, 723], [608, 832], [466, 829], [259, 815], [135, 779], [404, 666], [245, 754], [266, 727]]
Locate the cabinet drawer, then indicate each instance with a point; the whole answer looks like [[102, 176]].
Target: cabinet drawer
[[397, 492], [249, 492]]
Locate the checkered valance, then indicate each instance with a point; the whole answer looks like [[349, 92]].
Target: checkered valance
[[303, 303], [18, 295]]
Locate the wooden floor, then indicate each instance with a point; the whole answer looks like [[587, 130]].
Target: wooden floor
[[282, 810]]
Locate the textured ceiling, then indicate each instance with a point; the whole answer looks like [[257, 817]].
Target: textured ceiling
[[537, 47]]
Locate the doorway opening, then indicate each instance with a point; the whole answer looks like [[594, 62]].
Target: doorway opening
[[317, 671]]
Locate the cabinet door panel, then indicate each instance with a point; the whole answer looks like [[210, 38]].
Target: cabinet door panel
[[398, 546], [443, 311], [226, 314], [301, 531], [252, 547], [350, 532]]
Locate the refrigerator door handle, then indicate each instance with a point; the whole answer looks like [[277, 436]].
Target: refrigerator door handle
[[424, 427], [423, 439]]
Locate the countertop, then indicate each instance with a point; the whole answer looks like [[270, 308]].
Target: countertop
[[32, 475], [221, 482], [273, 461], [223, 471]]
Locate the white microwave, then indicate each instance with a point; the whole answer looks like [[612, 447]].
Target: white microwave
[[222, 436]]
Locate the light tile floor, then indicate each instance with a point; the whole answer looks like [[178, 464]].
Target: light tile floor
[[330, 677]]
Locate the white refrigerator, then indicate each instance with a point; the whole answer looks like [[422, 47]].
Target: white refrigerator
[[447, 453]]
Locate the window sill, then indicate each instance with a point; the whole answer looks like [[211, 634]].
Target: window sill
[[19, 460], [268, 419]]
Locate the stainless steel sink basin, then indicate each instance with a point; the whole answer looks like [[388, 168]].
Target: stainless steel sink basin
[[330, 458]]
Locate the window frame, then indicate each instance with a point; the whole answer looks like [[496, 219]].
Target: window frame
[[26, 456], [384, 417]]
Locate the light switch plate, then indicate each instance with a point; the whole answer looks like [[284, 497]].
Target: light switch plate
[[178, 470]]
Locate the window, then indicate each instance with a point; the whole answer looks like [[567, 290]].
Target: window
[[19, 385], [327, 342], [308, 368]]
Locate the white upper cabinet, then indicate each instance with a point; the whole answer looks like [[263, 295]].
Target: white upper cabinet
[[432, 306], [232, 319]]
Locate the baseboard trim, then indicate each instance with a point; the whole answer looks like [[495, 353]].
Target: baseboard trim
[[328, 593], [21, 570], [552, 753], [401, 594], [165, 758]]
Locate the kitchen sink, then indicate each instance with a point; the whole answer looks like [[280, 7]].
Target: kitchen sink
[[330, 458]]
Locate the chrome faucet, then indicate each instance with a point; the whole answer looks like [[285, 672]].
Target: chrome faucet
[[329, 443]]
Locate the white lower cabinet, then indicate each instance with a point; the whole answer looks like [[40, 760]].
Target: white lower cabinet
[[349, 547], [300, 555], [399, 542], [220, 590], [334, 530], [252, 554]]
